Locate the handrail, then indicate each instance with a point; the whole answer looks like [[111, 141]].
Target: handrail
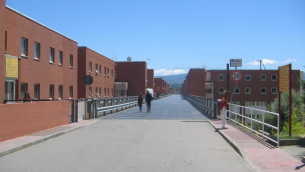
[[233, 108]]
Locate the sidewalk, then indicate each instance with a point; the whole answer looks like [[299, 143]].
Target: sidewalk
[[259, 154], [19, 143]]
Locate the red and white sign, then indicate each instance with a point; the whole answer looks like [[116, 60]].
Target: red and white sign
[[236, 76]]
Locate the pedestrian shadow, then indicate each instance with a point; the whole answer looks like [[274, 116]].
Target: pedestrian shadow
[[299, 167]]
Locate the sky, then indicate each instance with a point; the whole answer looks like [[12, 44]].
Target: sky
[[175, 35]]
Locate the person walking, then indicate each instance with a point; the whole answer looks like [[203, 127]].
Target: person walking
[[223, 108], [148, 98], [140, 101]]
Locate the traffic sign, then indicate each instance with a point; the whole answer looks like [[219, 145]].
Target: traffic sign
[[88, 80], [236, 76]]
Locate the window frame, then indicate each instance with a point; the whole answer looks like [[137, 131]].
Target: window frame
[[60, 58], [22, 91], [52, 58], [36, 91], [246, 77], [223, 77], [237, 89], [100, 69], [24, 47], [265, 77], [273, 88], [272, 77], [90, 67], [71, 61], [265, 90], [220, 91], [246, 90], [105, 70], [60, 91], [71, 92], [51, 92], [36, 50]]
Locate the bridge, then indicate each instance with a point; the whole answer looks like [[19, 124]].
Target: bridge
[[175, 136]]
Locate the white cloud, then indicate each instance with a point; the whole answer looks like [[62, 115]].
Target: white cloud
[[290, 60], [163, 72], [265, 61]]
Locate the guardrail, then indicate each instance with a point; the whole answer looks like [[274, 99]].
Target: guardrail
[[207, 105], [249, 117]]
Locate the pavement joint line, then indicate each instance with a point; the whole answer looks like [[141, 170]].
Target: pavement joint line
[[43, 139], [236, 147]]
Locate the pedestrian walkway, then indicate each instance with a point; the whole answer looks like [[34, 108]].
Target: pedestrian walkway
[[13, 145], [256, 152]]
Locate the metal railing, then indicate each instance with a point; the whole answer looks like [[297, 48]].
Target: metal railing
[[207, 105], [247, 115]]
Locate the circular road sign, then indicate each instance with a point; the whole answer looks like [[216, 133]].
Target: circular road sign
[[236, 76], [88, 80]]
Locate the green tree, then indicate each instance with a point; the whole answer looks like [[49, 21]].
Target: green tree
[[298, 109]]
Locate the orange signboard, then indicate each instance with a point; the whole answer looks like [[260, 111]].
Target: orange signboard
[[284, 78]]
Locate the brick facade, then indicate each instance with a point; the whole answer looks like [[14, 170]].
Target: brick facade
[[150, 78], [158, 85], [195, 82], [41, 70], [2, 48], [135, 73], [103, 78]]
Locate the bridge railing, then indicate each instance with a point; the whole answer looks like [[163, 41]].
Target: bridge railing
[[254, 120], [207, 105]]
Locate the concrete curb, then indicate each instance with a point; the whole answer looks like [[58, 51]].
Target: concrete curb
[[236, 147], [40, 140]]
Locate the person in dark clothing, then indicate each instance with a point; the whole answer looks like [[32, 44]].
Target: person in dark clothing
[[148, 98], [140, 101]]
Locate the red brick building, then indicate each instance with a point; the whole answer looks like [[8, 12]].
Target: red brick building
[[150, 78], [39, 59], [194, 83], [135, 74], [158, 85], [259, 87], [2, 48], [102, 71]]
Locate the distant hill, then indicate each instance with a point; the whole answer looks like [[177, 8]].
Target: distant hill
[[173, 79]]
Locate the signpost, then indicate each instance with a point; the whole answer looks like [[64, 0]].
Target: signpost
[[285, 85], [88, 80], [236, 76]]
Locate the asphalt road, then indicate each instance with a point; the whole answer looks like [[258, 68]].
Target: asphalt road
[[174, 136]]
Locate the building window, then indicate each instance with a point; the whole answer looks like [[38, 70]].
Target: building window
[[71, 60], [104, 92], [24, 47], [71, 92], [221, 90], [208, 90], [221, 78], [100, 70], [60, 89], [51, 92], [111, 73], [96, 92], [107, 92], [111, 92], [60, 58], [248, 90], [90, 67], [37, 50], [274, 90], [107, 72], [100, 92], [248, 77], [273, 77], [96, 66], [104, 71], [24, 88], [51, 55], [263, 91], [237, 91], [36, 91], [263, 77]]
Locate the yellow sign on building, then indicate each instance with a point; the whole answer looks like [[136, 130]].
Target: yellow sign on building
[[11, 67]]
